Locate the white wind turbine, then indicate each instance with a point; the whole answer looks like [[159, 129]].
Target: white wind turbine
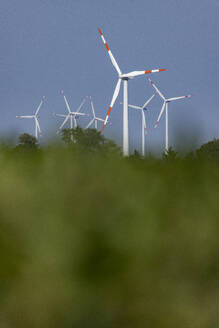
[[124, 78], [35, 117], [165, 107], [95, 119], [72, 116], [143, 121]]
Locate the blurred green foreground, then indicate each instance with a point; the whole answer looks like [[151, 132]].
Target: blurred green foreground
[[101, 241]]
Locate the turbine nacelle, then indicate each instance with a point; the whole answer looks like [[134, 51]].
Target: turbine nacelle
[[77, 116], [124, 77]]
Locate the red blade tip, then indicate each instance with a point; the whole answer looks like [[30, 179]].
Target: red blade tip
[[99, 30], [156, 124], [103, 127]]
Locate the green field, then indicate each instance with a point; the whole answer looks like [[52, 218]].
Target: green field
[[90, 240]]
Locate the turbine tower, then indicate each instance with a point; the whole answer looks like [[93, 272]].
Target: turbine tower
[[35, 117], [165, 107], [143, 121], [124, 78], [72, 116], [95, 119]]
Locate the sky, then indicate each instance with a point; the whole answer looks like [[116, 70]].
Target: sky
[[50, 45]]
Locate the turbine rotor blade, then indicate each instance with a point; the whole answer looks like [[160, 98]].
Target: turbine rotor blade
[[82, 103], [99, 119], [156, 88], [177, 98], [110, 53], [138, 73], [115, 95], [78, 114], [135, 107], [60, 115], [90, 123], [25, 116], [149, 100], [92, 106], [157, 70], [66, 102], [161, 112], [132, 106], [38, 108], [63, 123], [38, 125]]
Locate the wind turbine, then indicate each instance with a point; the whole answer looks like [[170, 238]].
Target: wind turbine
[[143, 120], [124, 78], [35, 117], [165, 107], [95, 119], [72, 116]]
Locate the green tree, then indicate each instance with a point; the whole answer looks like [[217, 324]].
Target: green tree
[[27, 141], [170, 155], [136, 155], [190, 156], [110, 147], [209, 150], [88, 140]]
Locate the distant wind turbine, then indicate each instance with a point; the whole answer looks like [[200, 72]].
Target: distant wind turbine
[[35, 117], [72, 116], [143, 120], [165, 106], [95, 119]]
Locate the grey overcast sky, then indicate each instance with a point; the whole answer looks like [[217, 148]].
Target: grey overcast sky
[[49, 45]]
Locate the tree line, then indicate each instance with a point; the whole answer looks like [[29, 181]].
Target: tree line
[[92, 141]]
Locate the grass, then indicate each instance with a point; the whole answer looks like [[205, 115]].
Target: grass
[[96, 241]]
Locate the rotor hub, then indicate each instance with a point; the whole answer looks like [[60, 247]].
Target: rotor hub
[[124, 78]]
